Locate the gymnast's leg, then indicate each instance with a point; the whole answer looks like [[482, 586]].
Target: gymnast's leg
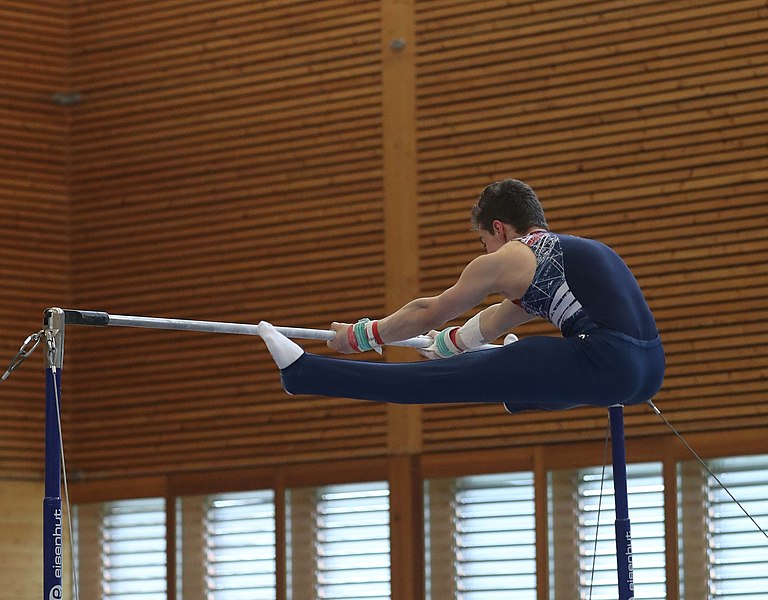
[[538, 372]]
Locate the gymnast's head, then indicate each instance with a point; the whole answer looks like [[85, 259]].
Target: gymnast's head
[[509, 201]]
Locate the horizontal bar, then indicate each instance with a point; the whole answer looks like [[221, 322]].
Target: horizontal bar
[[102, 319]]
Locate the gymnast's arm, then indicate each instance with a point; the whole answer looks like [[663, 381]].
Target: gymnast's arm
[[498, 319], [423, 314], [485, 275]]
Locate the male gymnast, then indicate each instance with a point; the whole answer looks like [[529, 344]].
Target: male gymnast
[[609, 353]]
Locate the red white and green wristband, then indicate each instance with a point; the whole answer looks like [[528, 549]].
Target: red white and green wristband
[[364, 335], [445, 344], [446, 341]]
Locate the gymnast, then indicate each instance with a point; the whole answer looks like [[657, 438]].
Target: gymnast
[[609, 353]]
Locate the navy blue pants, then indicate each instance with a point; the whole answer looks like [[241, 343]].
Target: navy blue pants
[[598, 368]]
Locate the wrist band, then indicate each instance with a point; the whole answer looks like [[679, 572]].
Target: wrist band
[[375, 332], [452, 335], [352, 338], [444, 345], [365, 333]]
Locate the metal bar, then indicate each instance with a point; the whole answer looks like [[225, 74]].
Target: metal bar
[[102, 319], [623, 532]]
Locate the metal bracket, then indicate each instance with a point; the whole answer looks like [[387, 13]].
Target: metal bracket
[[53, 326]]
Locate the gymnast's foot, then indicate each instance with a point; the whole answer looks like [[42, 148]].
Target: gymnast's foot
[[284, 351]]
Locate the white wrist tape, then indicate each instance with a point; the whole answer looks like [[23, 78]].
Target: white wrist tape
[[470, 334]]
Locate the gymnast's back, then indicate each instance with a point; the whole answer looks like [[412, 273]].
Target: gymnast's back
[[580, 284]]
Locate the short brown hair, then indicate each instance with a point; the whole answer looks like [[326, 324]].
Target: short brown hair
[[510, 201]]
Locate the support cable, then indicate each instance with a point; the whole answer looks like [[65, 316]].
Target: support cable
[[706, 466]]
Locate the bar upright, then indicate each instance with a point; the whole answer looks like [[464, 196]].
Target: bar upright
[[53, 518], [623, 533]]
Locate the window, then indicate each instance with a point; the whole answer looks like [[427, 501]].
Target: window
[[575, 499], [481, 541], [481, 537], [133, 562], [240, 546], [715, 531], [339, 545]]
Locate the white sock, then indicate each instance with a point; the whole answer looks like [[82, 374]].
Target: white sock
[[284, 351]]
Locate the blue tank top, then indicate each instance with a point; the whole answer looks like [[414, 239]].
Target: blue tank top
[[580, 284]]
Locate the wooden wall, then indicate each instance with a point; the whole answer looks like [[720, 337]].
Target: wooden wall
[[229, 167], [34, 213], [34, 271], [22, 530], [640, 124], [230, 163], [285, 160]]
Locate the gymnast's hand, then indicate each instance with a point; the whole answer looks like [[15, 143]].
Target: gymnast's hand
[[340, 342], [430, 351], [445, 344]]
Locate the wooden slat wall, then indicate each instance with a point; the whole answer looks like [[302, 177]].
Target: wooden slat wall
[[642, 124], [22, 531], [33, 213], [227, 167], [230, 159]]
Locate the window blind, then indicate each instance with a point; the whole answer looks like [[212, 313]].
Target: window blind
[[133, 546], [240, 546], [495, 536], [645, 488], [351, 525], [738, 551], [481, 542]]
